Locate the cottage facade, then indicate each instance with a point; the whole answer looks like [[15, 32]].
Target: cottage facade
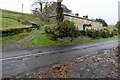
[[82, 23]]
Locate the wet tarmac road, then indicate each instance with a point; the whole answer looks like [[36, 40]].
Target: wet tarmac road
[[24, 62]]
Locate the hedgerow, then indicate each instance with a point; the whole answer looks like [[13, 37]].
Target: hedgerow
[[68, 29], [12, 31]]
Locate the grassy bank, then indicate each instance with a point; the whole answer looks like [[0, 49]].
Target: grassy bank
[[12, 19], [43, 40], [8, 39], [91, 40]]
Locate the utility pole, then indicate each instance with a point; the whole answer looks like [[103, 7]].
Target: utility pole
[[22, 8]]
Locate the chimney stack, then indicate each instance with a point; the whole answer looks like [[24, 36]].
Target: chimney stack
[[77, 14], [86, 17]]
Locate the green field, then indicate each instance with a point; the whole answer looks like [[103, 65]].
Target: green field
[[11, 19], [10, 23]]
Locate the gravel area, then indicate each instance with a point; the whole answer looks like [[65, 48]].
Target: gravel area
[[104, 65]]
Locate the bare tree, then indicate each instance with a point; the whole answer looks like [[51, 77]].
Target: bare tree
[[35, 12], [38, 10], [42, 9]]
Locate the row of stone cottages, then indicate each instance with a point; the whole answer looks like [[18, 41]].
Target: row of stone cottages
[[82, 23]]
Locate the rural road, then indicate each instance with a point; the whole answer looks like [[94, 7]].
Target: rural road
[[22, 62]]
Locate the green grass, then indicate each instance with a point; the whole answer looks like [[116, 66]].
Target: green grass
[[10, 19], [10, 23], [14, 38], [43, 40], [91, 40]]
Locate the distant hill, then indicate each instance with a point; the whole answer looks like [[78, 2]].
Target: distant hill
[[15, 12]]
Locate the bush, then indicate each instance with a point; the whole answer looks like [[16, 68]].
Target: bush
[[52, 31], [89, 33], [82, 33], [105, 33], [67, 29], [115, 31], [95, 34], [118, 26]]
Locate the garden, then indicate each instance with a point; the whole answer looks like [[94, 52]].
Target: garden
[[67, 34]]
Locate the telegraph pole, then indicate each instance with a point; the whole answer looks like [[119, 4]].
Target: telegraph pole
[[22, 12], [22, 8]]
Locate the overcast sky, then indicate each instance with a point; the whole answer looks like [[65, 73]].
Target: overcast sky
[[106, 9]]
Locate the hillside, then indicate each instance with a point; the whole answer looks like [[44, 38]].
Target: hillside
[[10, 23], [12, 19]]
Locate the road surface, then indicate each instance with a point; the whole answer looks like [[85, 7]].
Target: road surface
[[22, 62]]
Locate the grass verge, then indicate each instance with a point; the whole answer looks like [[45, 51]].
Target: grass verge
[[43, 40], [91, 40], [14, 38]]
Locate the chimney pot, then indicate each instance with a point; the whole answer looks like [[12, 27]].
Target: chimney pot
[[77, 14]]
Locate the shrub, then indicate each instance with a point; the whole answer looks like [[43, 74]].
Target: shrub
[[82, 33], [95, 34], [67, 29], [52, 31], [118, 26], [115, 31], [105, 33], [89, 33]]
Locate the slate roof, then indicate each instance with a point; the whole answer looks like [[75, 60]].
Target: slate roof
[[75, 17]]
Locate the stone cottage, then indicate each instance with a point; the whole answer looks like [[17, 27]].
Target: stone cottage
[[82, 23]]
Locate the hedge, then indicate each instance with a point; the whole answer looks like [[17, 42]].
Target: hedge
[[103, 33], [12, 31]]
